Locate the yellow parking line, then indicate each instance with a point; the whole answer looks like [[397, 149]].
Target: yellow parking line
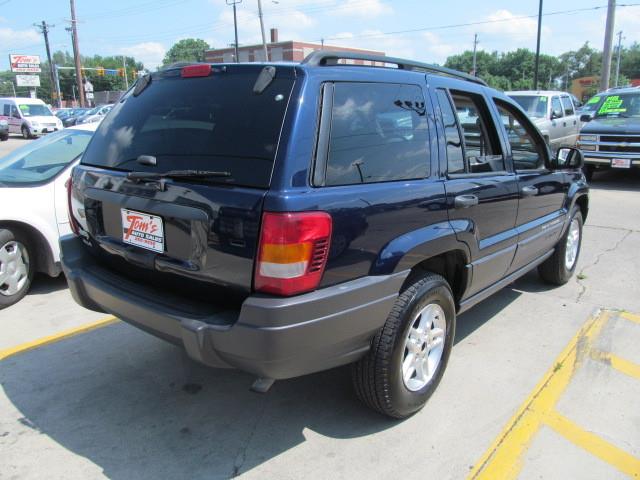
[[619, 363], [503, 459], [631, 317], [595, 445], [9, 352]]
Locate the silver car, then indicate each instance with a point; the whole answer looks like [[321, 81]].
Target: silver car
[[554, 113]]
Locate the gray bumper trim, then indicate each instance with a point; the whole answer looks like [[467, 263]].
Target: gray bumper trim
[[270, 337]]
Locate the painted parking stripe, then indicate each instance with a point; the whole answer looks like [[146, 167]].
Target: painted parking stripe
[[9, 352], [619, 363], [503, 459], [631, 317]]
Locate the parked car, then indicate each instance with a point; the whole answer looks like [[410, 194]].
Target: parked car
[[4, 130], [287, 237], [62, 112], [28, 116], [33, 211], [71, 119], [610, 137], [554, 113], [95, 115]]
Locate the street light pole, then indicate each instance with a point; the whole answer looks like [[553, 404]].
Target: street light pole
[[76, 54], [124, 68], [474, 72], [608, 40], [235, 25], [264, 38], [537, 61]]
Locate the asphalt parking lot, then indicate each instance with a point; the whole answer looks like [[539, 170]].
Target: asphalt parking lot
[[542, 383]]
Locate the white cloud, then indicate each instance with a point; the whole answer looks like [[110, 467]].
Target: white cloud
[[149, 53], [362, 8], [15, 40], [510, 26]]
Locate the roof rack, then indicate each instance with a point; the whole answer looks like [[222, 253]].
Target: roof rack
[[321, 58]]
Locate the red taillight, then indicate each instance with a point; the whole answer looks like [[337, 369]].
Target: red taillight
[[72, 221], [200, 70], [293, 252]]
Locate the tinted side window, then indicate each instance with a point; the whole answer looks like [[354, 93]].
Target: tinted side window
[[526, 147], [481, 146], [568, 106], [455, 157], [378, 133], [556, 107], [7, 110]]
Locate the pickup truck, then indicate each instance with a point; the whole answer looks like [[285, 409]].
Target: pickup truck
[[284, 219]]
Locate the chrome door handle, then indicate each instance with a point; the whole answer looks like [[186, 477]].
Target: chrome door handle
[[529, 191], [465, 201]]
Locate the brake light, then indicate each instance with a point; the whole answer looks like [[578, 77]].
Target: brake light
[[72, 221], [292, 252], [200, 70]]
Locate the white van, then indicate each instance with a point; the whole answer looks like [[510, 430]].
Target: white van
[[28, 116]]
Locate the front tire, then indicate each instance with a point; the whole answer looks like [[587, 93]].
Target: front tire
[[560, 267], [409, 354], [26, 134], [16, 267]]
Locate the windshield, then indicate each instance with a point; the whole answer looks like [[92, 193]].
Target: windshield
[[534, 106], [203, 123], [44, 158], [29, 110], [619, 105]]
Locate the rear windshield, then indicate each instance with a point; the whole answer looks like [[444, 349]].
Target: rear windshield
[[206, 123], [535, 106]]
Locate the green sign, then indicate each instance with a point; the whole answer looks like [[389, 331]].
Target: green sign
[[612, 104]]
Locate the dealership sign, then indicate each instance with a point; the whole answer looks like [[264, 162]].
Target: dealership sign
[[28, 80], [25, 63]]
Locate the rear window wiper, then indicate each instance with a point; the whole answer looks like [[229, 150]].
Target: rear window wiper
[[139, 176]]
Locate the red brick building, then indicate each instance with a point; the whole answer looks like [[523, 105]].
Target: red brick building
[[289, 51]]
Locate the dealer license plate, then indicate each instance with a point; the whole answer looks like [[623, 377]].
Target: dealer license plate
[[142, 230], [621, 163]]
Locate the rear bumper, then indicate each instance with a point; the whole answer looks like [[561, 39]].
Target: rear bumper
[[269, 337]]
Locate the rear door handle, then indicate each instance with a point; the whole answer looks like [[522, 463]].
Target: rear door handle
[[529, 191], [465, 201]]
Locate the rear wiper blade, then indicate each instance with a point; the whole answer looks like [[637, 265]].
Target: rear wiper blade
[[137, 176]]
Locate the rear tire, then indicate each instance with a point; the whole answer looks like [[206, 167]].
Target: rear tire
[[560, 267], [4, 138], [17, 267], [409, 354], [26, 134]]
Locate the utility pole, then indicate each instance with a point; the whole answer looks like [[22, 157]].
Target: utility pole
[[44, 30], [124, 68], [475, 44], [608, 40], [537, 61], [264, 39], [235, 25], [76, 53], [618, 59]]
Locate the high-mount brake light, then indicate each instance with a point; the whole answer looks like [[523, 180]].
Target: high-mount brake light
[[293, 252], [200, 70]]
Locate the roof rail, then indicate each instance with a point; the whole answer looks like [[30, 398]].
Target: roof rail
[[321, 58]]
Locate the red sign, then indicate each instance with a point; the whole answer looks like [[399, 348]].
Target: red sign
[[25, 63]]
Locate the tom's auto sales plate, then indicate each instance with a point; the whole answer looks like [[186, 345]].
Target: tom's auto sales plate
[[142, 230]]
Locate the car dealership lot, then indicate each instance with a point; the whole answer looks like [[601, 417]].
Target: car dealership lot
[[115, 402]]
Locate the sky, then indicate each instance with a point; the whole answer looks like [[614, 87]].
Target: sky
[[425, 30]]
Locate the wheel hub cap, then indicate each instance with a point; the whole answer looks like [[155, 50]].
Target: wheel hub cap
[[423, 347], [14, 267], [573, 244]]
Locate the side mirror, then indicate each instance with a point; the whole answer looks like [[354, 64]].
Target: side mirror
[[568, 157], [585, 117]]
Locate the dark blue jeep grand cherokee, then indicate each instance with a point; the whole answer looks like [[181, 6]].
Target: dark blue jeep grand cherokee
[[289, 218]]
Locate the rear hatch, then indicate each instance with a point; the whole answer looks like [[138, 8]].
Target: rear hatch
[[195, 236]]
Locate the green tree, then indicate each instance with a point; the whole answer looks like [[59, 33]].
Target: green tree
[[630, 61], [186, 50]]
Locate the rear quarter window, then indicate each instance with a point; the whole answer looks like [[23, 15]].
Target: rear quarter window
[[378, 133]]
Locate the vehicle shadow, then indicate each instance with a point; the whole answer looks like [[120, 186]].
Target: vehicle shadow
[[621, 180], [134, 406], [43, 284]]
